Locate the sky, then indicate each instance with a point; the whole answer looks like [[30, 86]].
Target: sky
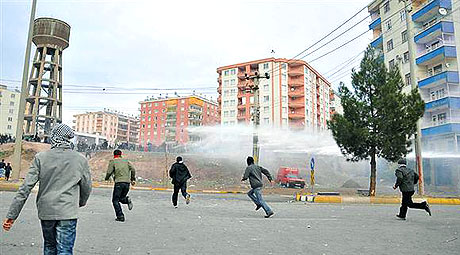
[[133, 48]]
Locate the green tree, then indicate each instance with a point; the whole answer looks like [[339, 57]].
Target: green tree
[[378, 118]]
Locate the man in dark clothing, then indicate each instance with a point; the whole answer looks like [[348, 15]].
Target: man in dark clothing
[[406, 179], [179, 174], [123, 174], [2, 167], [254, 173], [8, 170]]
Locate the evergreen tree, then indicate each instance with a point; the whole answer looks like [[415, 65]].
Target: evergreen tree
[[378, 118]]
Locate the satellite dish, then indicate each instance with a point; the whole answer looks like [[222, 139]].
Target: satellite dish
[[442, 11]]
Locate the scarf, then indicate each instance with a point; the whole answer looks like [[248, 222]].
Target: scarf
[[60, 136]]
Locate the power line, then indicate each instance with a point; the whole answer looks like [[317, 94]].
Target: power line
[[346, 61]]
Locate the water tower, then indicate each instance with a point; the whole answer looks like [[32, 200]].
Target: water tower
[[44, 90]]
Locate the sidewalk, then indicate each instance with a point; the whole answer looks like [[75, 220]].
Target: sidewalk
[[373, 200]]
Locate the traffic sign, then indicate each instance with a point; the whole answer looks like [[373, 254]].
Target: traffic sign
[[312, 163]]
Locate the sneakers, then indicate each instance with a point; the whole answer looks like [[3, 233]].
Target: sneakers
[[175, 206], [258, 207], [427, 208], [130, 203], [269, 215], [120, 219], [187, 199], [400, 217]]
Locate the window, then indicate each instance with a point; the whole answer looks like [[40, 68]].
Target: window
[[402, 15], [408, 79], [390, 45], [226, 83], [391, 64], [388, 24], [266, 109], [225, 113], [266, 87], [9, 127], [266, 99], [13, 95], [243, 101], [232, 82], [232, 102], [251, 100], [182, 108], [284, 66], [225, 103], [226, 73], [437, 69], [10, 118], [11, 103], [386, 7], [265, 65], [404, 36], [11, 111], [266, 120], [285, 109], [406, 57], [233, 72], [232, 113], [284, 77], [284, 99]]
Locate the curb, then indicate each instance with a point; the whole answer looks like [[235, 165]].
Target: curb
[[372, 200]]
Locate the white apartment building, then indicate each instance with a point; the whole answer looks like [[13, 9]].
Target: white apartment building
[[9, 106], [295, 96]]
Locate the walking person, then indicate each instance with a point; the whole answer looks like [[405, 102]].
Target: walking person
[[406, 179], [65, 185], [124, 174], [8, 170], [2, 167], [254, 173], [179, 174]]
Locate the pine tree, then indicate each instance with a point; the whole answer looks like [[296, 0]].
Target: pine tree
[[378, 118]]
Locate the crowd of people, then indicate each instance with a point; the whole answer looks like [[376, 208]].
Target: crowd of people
[[6, 139]]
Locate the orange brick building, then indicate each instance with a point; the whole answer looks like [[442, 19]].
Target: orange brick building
[[167, 119]]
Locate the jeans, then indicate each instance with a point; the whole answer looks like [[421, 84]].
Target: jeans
[[256, 196], [120, 190], [407, 202], [183, 188], [59, 236]]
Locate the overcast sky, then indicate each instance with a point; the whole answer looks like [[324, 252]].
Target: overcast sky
[[127, 45]]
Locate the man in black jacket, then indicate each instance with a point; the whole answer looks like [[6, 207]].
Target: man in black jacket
[[254, 173], [180, 174], [406, 179]]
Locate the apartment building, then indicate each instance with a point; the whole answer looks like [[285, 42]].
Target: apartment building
[[295, 96], [335, 103], [9, 106], [435, 26], [168, 119], [114, 126]]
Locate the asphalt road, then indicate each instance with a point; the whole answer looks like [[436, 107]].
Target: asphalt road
[[227, 224]]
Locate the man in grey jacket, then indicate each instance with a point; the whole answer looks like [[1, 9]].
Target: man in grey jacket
[[406, 179], [65, 185], [254, 173]]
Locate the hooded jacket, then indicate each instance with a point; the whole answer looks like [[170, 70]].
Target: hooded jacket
[[179, 173], [406, 179], [254, 173]]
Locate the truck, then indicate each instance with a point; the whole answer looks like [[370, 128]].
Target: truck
[[289, 177]]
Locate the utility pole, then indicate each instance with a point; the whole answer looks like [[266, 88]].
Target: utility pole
[[413, 81], [22, 100], [254, 88]]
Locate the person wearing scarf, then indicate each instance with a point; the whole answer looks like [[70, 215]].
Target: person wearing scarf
[[65, 185]]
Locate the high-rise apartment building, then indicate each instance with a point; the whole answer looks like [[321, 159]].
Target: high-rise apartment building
[[435, 25], [9, 106], [114, 126], [167, 119], [295, 96]]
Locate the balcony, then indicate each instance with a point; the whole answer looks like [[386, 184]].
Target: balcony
[[296, 116], [377, 42], [295, 73], [241, 116], [170, 113], [442, 129], [376, 23], [296, 93], [442, 103], [435, 31], [296, 105], [430, 10], [437, 55], [450, 77], [295, 84], [241, 106]]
